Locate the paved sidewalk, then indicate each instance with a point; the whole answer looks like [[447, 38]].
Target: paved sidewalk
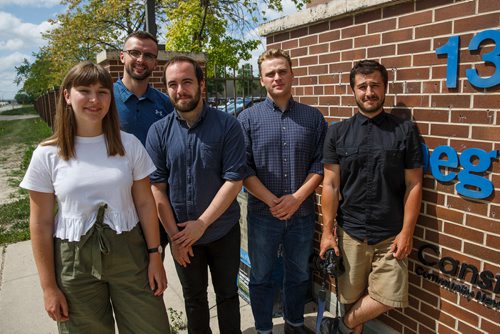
[[21, 303], [16, 117]]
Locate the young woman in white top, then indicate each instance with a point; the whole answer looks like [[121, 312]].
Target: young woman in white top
[[99, 254]]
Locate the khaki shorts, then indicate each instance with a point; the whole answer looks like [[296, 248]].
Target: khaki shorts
[[370, 268]]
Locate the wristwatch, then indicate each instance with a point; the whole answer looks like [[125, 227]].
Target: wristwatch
[[158, 249]]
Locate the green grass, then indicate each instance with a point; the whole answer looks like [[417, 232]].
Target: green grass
[[23, 135], [14, 221], [23, 132], [24, 110]]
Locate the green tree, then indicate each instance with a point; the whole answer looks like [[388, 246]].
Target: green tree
[[36, 77], [79, 33], [221, 28], [88, 27], [23, 98], [217, 27]]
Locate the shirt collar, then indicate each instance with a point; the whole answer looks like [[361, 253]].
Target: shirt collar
[[269, 103], [204, 112], [125, 94], [377, 119]]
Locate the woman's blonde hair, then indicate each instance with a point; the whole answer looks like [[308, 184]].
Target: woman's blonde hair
[[85, 73]]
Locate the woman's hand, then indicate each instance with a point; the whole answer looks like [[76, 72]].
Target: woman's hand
[[56, 304], [156, 274]]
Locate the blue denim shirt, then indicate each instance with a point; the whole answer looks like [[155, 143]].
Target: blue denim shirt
[[195, 162], [138, 114], [282, 149]]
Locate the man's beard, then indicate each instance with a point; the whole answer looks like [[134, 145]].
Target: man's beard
[[190, 106], [373, 108], [130, 71]]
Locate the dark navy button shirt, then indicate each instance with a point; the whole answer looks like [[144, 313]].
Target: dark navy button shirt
[[282, 149], [138, 114], [373, 155], [195, 162]]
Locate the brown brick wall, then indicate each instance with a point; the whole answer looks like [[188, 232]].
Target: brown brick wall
[[403, 36]]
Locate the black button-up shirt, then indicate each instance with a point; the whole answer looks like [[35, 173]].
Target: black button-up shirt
[[373, 155], [282, 149], [195, 162]]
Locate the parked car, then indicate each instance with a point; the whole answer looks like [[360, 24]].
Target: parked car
[[235, 107]]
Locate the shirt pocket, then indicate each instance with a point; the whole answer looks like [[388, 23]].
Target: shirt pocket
[[393, 158], [347, 153], [210, 155]]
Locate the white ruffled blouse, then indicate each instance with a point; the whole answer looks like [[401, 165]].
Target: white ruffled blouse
[[83, 183]]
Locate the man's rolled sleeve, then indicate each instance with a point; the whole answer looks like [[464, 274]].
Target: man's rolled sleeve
[[317, 166], [234, 162], [329, 147], [250, 165], [157, 152], [413, 156]]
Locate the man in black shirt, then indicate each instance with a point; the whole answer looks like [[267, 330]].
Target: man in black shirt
[[372, 187]]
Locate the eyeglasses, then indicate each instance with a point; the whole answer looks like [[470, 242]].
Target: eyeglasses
[[136, 54]]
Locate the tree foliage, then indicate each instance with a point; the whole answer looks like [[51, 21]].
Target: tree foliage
[[37, 77], [84, 29], [88, 27], [220, 28]]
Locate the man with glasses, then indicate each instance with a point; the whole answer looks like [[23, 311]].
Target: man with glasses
[[139, 104]]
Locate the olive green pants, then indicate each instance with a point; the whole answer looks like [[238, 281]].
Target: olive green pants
[[103, 273]]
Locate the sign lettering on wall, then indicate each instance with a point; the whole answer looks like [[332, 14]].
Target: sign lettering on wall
[[486, 282], [452, 49], [470, 184], [472, 160]]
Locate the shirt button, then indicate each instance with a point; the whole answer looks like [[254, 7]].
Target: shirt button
[[284, 143], [284, 128], [285, 175], [284, 160]]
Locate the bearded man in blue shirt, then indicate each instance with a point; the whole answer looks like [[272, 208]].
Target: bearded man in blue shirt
[[199, 154], [284, 141], [372, 189]]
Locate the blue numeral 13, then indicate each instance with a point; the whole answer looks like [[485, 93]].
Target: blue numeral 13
[[451, 49]]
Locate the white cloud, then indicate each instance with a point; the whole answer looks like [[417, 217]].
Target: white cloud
[[35, 3], [18, 40], [11, 44], [10, 61], [12, 28], [288, 8], [8, 73]]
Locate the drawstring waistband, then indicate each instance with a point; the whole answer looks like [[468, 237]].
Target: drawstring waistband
[[99, 243]]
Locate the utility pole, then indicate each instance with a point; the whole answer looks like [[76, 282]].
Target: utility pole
[[150, 17]]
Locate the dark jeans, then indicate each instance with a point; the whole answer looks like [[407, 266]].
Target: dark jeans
[[223, 258], [265, 234]]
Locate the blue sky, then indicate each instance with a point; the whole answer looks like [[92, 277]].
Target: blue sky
[[21, 25]]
